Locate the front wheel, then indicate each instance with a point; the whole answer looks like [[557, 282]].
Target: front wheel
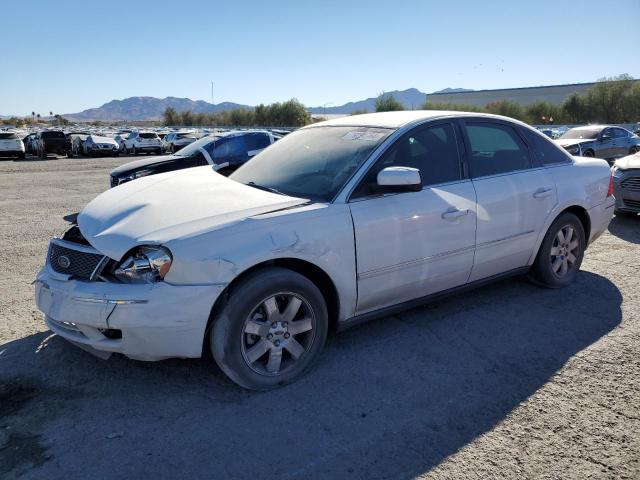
[[561, 253], [271, 330], [589, 153]]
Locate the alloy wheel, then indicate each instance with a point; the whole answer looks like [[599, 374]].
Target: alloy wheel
[[278, 332], [564, 251]]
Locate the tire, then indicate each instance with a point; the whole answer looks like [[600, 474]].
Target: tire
[[558, 270], [634, 150], [173, 148], [134, 151], [264, 357], [589, 153]]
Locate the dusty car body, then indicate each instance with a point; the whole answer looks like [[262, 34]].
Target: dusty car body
[[626, 178], [600, 141], [360, 216]]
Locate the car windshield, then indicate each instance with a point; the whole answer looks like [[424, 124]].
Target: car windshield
[[589, 133], [8, 136], [312, 163], [194, 148]]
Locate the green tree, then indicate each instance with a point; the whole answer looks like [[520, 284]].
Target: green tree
[[170, 116], [508, 108], [386, 102], [359, 111]]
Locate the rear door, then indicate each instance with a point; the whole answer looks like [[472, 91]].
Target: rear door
[[412, 244], [515, 196]]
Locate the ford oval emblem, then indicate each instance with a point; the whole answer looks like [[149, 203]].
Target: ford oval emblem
[[64, 261]]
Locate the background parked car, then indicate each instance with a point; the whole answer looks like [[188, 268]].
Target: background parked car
[[225, 152], [51, 141], [11, 145], [174, 141], [601, 141], [98, 145], [143, 142], [28, 143], [120, 138], [626, 184]]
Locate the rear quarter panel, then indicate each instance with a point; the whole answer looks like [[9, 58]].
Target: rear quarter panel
[[583, 183]]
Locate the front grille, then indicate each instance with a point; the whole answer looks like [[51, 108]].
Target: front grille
[[631, 203], [632, 184], [69, 261]]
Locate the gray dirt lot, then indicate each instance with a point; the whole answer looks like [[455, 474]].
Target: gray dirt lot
[[509, 381]]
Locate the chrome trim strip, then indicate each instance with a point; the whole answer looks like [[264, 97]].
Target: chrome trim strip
[[504, 239], [98, 270], [411, 263], [106, 301]]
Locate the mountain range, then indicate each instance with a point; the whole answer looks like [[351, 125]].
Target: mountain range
[[151, 108]]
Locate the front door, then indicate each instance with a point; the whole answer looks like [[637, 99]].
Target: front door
[[411, 244]]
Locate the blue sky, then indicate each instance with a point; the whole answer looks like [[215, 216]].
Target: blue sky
[[65, 56]]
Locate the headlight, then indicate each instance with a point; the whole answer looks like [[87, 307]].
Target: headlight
[[138, 174], [147, 264], [573, 149]]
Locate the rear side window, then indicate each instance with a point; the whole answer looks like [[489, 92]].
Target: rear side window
[[495, 149], [256, 141], [545, 151], [8, 136], [148, 135], [620, 133]]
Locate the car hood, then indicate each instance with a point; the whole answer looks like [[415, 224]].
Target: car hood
[[628, 162], [172, 205], [144, 162], [565, 142]]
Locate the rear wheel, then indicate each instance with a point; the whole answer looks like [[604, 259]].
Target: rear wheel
[[561, 253], [588, 153], [133, 150], [271, 330]]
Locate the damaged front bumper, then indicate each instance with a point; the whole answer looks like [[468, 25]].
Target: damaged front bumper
[[142, 321]]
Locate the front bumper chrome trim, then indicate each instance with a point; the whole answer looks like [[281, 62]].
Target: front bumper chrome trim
[[106, 301]]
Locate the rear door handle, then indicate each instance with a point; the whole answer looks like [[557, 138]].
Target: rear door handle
[[454, 214], [543, 193]]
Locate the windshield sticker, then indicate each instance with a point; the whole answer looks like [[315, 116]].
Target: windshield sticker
[[363, 136]]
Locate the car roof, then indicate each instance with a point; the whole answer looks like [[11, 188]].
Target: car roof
[[400, 119], [591, 127]]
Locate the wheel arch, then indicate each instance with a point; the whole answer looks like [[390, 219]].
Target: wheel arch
[[579, 211], [315, 274]]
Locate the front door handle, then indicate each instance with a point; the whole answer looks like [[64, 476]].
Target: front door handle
[[454, 214], [543, 193]]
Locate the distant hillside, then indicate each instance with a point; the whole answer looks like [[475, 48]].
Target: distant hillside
[[412, 98], [148, 108]]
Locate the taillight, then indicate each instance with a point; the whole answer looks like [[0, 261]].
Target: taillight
[[610, 191]]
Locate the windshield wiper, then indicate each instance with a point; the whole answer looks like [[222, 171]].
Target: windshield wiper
[[265, 188]]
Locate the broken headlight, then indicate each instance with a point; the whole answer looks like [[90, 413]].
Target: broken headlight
[[145, 264]]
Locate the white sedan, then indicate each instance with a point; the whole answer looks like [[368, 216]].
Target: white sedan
[[336, 223]]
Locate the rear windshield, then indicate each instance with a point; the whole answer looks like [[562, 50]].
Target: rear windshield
[[53, 135], [8, 136], [148, 135]]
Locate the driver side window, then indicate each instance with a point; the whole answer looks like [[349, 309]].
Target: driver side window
[[432, 150]]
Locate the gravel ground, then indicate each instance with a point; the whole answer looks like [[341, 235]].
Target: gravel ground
[[508, 381]]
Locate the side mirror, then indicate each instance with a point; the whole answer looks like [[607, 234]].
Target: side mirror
[[604, 137], [399, 179]]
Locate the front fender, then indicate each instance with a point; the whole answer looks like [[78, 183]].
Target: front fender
[[318, 234]]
